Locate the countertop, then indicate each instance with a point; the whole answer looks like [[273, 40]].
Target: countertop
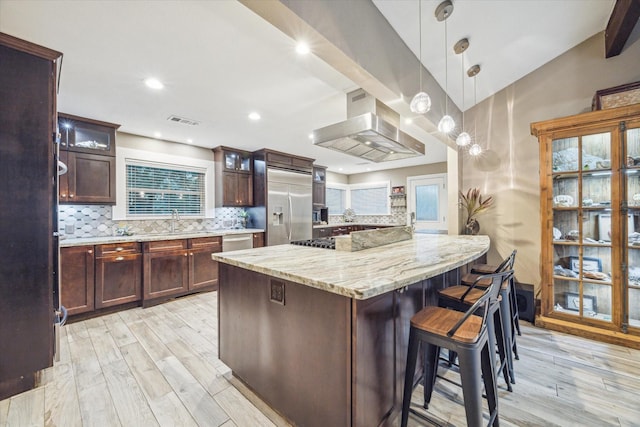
[[363, 274], [82, 241], [344, 224]]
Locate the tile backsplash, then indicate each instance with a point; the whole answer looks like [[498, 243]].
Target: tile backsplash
[[398, 217], [76, 221]]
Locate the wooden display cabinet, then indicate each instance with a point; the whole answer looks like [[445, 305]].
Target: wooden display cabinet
[[590, 214]]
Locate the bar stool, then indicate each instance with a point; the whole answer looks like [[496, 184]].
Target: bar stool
[[468, 335], [509, 295], [461, 297]]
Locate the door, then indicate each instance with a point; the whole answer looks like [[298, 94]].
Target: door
[[427, 202]]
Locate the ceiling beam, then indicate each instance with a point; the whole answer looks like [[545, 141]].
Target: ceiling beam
[[623, 19]]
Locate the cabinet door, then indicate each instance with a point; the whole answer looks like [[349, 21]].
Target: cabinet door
[[230, 189], [118, 280], [245, 190], [91, 178], [203, 271], [76, 279], [631, 288], [166, 273], [319, 194], [82, 136], [258, 240]]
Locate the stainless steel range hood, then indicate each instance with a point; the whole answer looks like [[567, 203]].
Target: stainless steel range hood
[[371, 132]]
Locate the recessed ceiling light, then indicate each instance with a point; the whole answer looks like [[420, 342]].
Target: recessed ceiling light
[[302, 48], [154, 83], [408, 121], [189, 141], [310, 136], [254, 116], [157, 134], [339, 169], [368, 169]]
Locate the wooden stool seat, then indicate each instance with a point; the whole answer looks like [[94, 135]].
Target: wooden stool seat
[[439, 321], [470, 278], [484, 268]]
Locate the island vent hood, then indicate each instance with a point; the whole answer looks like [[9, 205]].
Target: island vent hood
[[370, 132]]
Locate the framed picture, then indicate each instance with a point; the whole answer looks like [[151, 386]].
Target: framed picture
[[588, 264], [397, 190], [572, 302], [618, 96], [604, 226]]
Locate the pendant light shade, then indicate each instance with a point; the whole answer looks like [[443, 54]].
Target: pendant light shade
[[463, 139], [475, 150], [421, 102], [446, 124]]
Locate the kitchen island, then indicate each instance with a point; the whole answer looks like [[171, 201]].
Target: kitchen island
[[321, 335]]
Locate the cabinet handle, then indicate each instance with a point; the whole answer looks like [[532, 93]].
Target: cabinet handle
[[70, 195], [191, 254], [120, 258], [119, 249], [63, 195], [186, 254], [90, 251]]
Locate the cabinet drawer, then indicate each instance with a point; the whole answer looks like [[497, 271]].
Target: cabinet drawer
[[165, 245], [212, 243], [112, 249]]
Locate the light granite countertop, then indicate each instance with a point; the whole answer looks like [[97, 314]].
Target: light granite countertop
[[363, 274], [344, 224], [82, 241]]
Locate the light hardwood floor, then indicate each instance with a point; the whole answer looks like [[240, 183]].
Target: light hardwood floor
[[159, 366]]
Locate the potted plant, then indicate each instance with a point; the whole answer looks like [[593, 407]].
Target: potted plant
[[474, 204]]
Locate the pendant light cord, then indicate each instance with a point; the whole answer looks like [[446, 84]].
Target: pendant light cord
[[420, 41], [446, 72], [463, 99]]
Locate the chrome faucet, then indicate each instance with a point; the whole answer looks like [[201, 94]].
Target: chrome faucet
[[175, 216]]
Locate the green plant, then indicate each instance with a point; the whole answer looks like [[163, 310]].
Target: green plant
[[473, 203]]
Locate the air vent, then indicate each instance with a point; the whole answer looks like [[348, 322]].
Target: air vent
[[182, 120]]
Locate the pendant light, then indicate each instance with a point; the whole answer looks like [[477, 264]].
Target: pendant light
[[446, 124], [463, 138], [421, 102], [475, 149]]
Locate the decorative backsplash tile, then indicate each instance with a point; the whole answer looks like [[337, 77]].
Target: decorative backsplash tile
[[76, 221], [398, 217]]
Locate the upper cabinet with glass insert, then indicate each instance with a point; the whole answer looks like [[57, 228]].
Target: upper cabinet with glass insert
[[590, 249], [83, 135]]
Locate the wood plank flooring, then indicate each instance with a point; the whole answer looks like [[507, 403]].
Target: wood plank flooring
[[159, 367]]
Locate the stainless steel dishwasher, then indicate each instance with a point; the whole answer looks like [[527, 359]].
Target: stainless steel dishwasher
[[235, 242]]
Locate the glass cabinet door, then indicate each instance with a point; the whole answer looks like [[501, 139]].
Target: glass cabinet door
[[581, 226], [237, 161], [631, 297], [79, 136]]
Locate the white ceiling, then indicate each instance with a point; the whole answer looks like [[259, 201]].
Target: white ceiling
[[220, 61]]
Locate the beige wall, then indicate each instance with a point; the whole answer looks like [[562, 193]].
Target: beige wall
[[508, 170], [127, 140], [397, 176]]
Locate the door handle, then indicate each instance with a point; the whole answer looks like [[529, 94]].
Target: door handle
[[290, 216]]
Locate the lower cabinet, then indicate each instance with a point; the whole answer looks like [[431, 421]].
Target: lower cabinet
[[118, 274], [176, 267], [258, 240], [77, 279]]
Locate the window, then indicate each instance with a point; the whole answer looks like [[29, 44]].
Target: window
[[365, 199], [370, 199], [158, 190], [336, 199]]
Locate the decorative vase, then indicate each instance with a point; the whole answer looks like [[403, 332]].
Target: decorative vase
[[472, 227]]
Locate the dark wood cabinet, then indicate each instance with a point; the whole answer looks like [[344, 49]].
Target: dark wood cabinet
[[177, 267], [28, 218], [77, 279], [234, 177], [90, 178], [118, 274], [258, 240], [203, 271], [319, 186], [87, 147], [166, 269]]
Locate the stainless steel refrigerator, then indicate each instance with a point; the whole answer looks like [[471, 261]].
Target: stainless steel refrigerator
[[289, 206]]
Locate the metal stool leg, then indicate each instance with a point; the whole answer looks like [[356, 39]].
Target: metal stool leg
[[412, 355]]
